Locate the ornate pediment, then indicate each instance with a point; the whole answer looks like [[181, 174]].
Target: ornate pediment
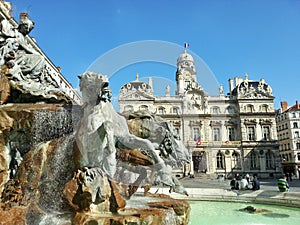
[[215, 123], [196, 97], [135, 95], [265, 121], [255, 94], [250, 122], [253, 89]]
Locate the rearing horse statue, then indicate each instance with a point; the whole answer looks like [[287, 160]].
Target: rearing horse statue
[[102, 130]]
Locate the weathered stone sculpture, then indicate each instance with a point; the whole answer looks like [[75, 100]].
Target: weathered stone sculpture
[[56, 169], [107, 148], [102, 130], [23, 70], [163, 136]]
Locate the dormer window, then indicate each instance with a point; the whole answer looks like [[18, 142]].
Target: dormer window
[[161, 110], [215, 110], [175, 110]]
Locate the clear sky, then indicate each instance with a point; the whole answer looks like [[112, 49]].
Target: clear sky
[[260, 37]]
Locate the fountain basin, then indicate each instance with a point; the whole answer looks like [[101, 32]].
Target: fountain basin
[[228, 213]]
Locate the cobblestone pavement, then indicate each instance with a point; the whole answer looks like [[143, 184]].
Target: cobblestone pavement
[[207, 181]]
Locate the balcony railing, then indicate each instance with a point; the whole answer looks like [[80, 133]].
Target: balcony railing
[[214, 143]]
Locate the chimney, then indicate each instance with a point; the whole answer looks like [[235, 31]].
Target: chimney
[[297, 105], [238, 80], [284, 106], [231, 84]]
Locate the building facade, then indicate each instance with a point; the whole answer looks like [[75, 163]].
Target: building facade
[[225, 134], [288, 129]]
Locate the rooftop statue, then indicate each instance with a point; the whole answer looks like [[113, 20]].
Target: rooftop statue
[[24, 66]]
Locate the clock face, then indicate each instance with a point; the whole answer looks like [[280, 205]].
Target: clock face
[[186, 75]]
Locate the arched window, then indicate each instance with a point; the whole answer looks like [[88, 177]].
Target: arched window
[[216, 134], [230, 110], [266, 133], [143, 107], [295, 125], [254, 160], [236, 160], [175, 110], [161, 110], [249, 108], [220, 161], [196, 133], [215, 110], [270, 160], [251, 133], [128, 108], [231, 134], [264, 108]]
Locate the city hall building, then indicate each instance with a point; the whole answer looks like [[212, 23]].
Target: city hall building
[[225, 134]]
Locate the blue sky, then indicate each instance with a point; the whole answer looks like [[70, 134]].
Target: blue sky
[[260, 37]]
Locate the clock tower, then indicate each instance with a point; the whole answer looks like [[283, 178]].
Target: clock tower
[[186, 76]]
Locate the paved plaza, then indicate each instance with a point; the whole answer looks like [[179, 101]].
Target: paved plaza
[[211, 181], [208, 187]]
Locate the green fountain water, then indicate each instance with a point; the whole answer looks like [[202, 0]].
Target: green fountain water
[[227, 213]]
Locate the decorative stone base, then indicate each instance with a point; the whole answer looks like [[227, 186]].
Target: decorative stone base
[[157, 211]]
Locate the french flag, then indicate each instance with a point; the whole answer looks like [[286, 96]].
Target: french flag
[[186, 45], [198, 142]]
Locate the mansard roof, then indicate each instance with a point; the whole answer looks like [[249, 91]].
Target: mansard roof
[[295, 107], [248, 87]]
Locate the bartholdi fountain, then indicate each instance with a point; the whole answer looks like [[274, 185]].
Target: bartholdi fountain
[[62, 163]]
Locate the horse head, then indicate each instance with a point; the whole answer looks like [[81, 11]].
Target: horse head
[[160, 132]]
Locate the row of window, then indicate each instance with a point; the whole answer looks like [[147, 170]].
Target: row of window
[[285, 126], [284, 147], [251, 135], [285, 116], [216, 135], [289, 157], [283, 136], [160, 110], [254, 160], [250, 108], [286, 135], [214, 110]]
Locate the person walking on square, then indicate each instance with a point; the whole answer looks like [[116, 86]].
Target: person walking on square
[[283, 185]]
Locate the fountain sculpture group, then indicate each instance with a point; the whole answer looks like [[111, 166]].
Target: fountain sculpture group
[[62, 163]]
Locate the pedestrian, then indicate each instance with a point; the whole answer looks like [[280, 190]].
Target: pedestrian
[[255, 184], [283, 185], [290, 176], [234, 184], [244, 183], [248, 178]]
